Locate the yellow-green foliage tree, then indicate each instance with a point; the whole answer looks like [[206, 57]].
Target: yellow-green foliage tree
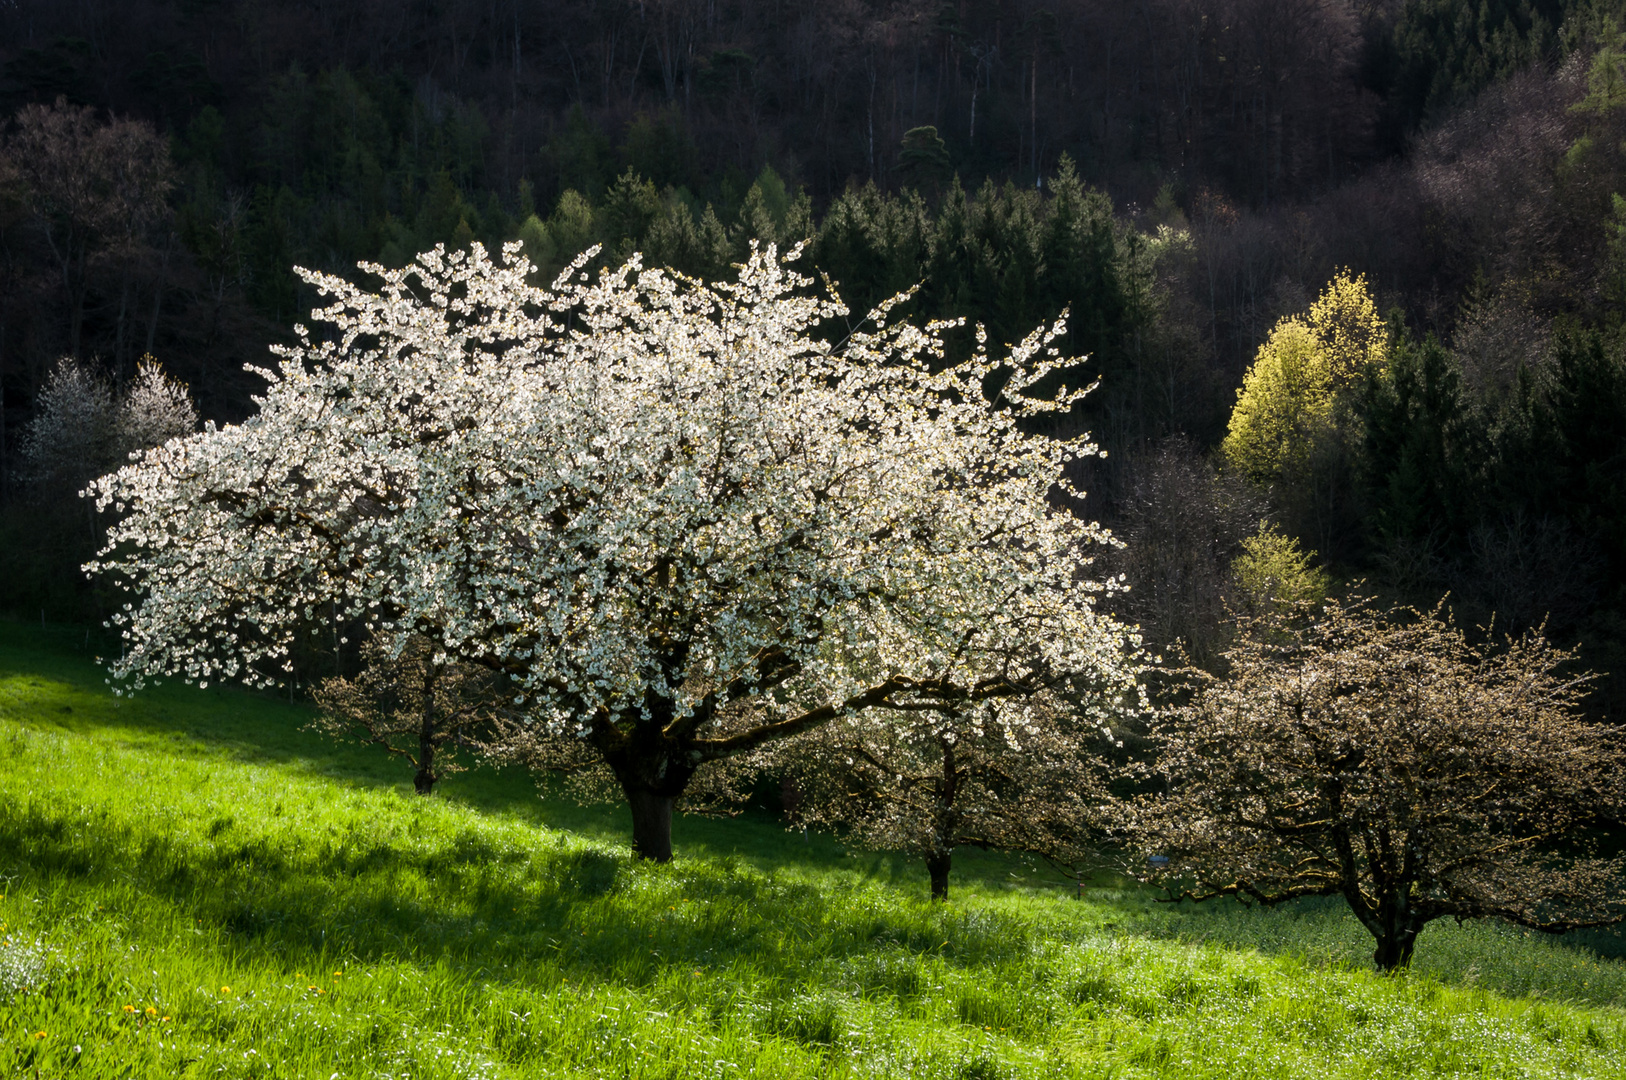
[[1288, 398], [1273, 572]]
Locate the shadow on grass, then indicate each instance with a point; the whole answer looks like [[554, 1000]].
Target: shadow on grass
[[261, 728], [471, 901], [474, 901]]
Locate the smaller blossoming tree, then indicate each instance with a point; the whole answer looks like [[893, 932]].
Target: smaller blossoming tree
[[679, 522], [1386, 759], [1028, 775], [414, 705]]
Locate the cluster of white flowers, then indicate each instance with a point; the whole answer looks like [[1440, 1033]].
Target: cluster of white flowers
[[72, 423], [642, 497], [156, 409]]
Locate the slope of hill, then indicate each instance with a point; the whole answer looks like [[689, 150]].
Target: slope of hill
[[194, 885]]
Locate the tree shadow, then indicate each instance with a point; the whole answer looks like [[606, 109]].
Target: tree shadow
[[475, 901], [58, 666], [566, 899]]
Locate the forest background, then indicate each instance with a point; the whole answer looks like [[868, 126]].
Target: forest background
[[1180, 174]]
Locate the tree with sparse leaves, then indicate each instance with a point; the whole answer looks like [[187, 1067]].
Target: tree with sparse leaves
[[678, 521], [414, 702], [1385, 759], [90, 186], [1029, 776]]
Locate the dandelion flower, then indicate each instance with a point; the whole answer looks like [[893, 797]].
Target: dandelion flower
[[39, 1034], [225, 989], [129, 1008]]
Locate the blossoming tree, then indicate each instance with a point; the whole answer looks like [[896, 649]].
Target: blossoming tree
[[1029, 775], [1385, 758], [679, 522]]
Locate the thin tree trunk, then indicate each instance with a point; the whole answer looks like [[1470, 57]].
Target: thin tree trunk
[[871, 117], [948, 822], [424, 782]]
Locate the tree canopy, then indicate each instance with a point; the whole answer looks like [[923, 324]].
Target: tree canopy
[[1287, 398], [680, 522], [1385, 759]]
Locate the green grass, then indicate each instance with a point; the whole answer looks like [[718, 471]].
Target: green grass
[[155, 851]]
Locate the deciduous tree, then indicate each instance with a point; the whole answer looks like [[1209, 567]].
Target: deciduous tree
[[680, 522], [1287, 399], [414, 702], [89, 185], [1029, 776], [1385, 759]]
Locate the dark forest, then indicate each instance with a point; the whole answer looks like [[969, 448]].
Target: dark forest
[[1181, 175]]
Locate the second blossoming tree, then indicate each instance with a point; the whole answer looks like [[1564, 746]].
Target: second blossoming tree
[[676, 519]]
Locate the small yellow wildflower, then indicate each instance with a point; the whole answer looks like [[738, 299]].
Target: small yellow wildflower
[[225, 989], [151, 1011], [166, 1019], [129, 1008], [39, 1034]]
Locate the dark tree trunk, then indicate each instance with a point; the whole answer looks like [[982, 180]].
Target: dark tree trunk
[[652, 782], [651, 824], [428, 734], [937, 865], [1395, 948], [948, 821], [424, 782]]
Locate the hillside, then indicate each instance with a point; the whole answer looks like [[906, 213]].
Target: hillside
[[194, 885]]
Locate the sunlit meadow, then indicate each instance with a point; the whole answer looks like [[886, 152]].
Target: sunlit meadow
[[196, 885]]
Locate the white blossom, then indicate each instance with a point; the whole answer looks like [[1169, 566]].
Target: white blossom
[[156, 409], [647, 500]]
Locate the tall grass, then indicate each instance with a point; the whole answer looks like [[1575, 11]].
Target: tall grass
[[193, 885]]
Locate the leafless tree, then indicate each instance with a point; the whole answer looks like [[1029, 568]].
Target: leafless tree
[[91, 187], [1183, 523]]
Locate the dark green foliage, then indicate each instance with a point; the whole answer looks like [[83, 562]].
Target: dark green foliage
[[924, 157], [658, 145], [580, 155], [61, 67], [1423, 454], [1010, 258], [1562, 451], [873, 245], [1444, 51], [630, 208]]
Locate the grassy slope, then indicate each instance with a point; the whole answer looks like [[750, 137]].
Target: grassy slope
[[155, 852]]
